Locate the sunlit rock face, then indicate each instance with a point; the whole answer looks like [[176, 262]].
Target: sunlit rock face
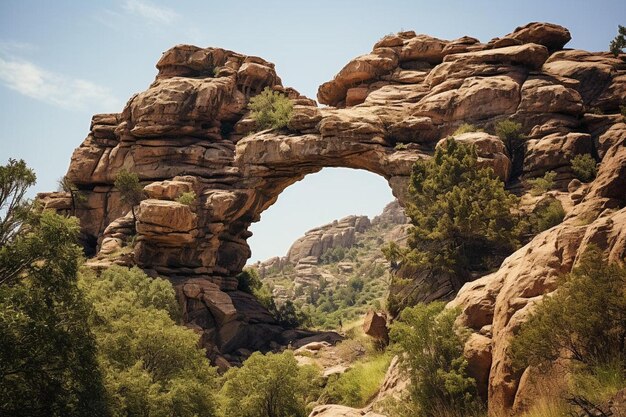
[[191, 131]]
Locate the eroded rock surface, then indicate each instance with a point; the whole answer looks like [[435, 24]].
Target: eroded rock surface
[[191, 131]]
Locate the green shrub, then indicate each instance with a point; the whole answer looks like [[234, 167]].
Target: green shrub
[[270, 109], [510, 133], [619, 42], [431, 348], [543, 184], [585, 319], [152, 366], [401, 146], [466, 128], [48, 365], [248, 281], [598, 383], [332, 255], [547, 214], [271, 385], [187, 198], [130, 189], [584, 167], [461, 215]]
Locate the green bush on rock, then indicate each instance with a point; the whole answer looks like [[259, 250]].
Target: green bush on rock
[[461, 214], [270, 109], [584, 167]]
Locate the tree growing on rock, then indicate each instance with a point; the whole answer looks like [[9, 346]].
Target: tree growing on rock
[[585, 319], [65, 184], [130, 189], [619, 42], [461, 215], [510, 133]]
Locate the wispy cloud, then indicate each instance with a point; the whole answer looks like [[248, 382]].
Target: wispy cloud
[[151, 12], [35, 82]]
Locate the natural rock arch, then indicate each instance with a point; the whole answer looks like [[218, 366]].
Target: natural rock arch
[[190, 131]]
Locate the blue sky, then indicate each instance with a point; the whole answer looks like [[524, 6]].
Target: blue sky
[[62, 61]]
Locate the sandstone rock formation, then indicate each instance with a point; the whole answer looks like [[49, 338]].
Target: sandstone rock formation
[[375, 325], [190, 131]]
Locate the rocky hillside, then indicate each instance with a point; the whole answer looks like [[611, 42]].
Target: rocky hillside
[[337, 271], [191, 131]]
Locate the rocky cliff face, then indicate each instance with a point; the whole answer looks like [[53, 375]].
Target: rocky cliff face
[[190, 131]]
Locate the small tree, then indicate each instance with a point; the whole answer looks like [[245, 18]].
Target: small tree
[[584, 167], [461, 215], [248, 281], [271, 385], [130, 189], [510, 133], [15, 178], [270, 109], [431, 350], [48, 362], [584, 320], [543, 184], [65, 184], [619, 42]]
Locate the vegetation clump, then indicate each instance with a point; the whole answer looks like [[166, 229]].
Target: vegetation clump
[[151, 365], [432, 357], [130, 189], [65, 184], [466, 128], [187, 198], [543, 184], [15, 179], [584, 167], [357, 386], [510, 133], [270, 109], [619, 42], [271, 385], [47, 351], [583, 321], [461, 215], [547, 214]]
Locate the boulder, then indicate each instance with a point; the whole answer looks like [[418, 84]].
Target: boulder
[[553, 37], [375, 325]]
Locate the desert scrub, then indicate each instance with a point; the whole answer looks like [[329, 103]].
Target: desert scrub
[[584, 167], [430, 348], [187, 198], [270, 109], [543, 184], [548, 213], [466, 128]]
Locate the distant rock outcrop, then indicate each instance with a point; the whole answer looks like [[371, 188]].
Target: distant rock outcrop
[[191, 131], [339, 234]]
